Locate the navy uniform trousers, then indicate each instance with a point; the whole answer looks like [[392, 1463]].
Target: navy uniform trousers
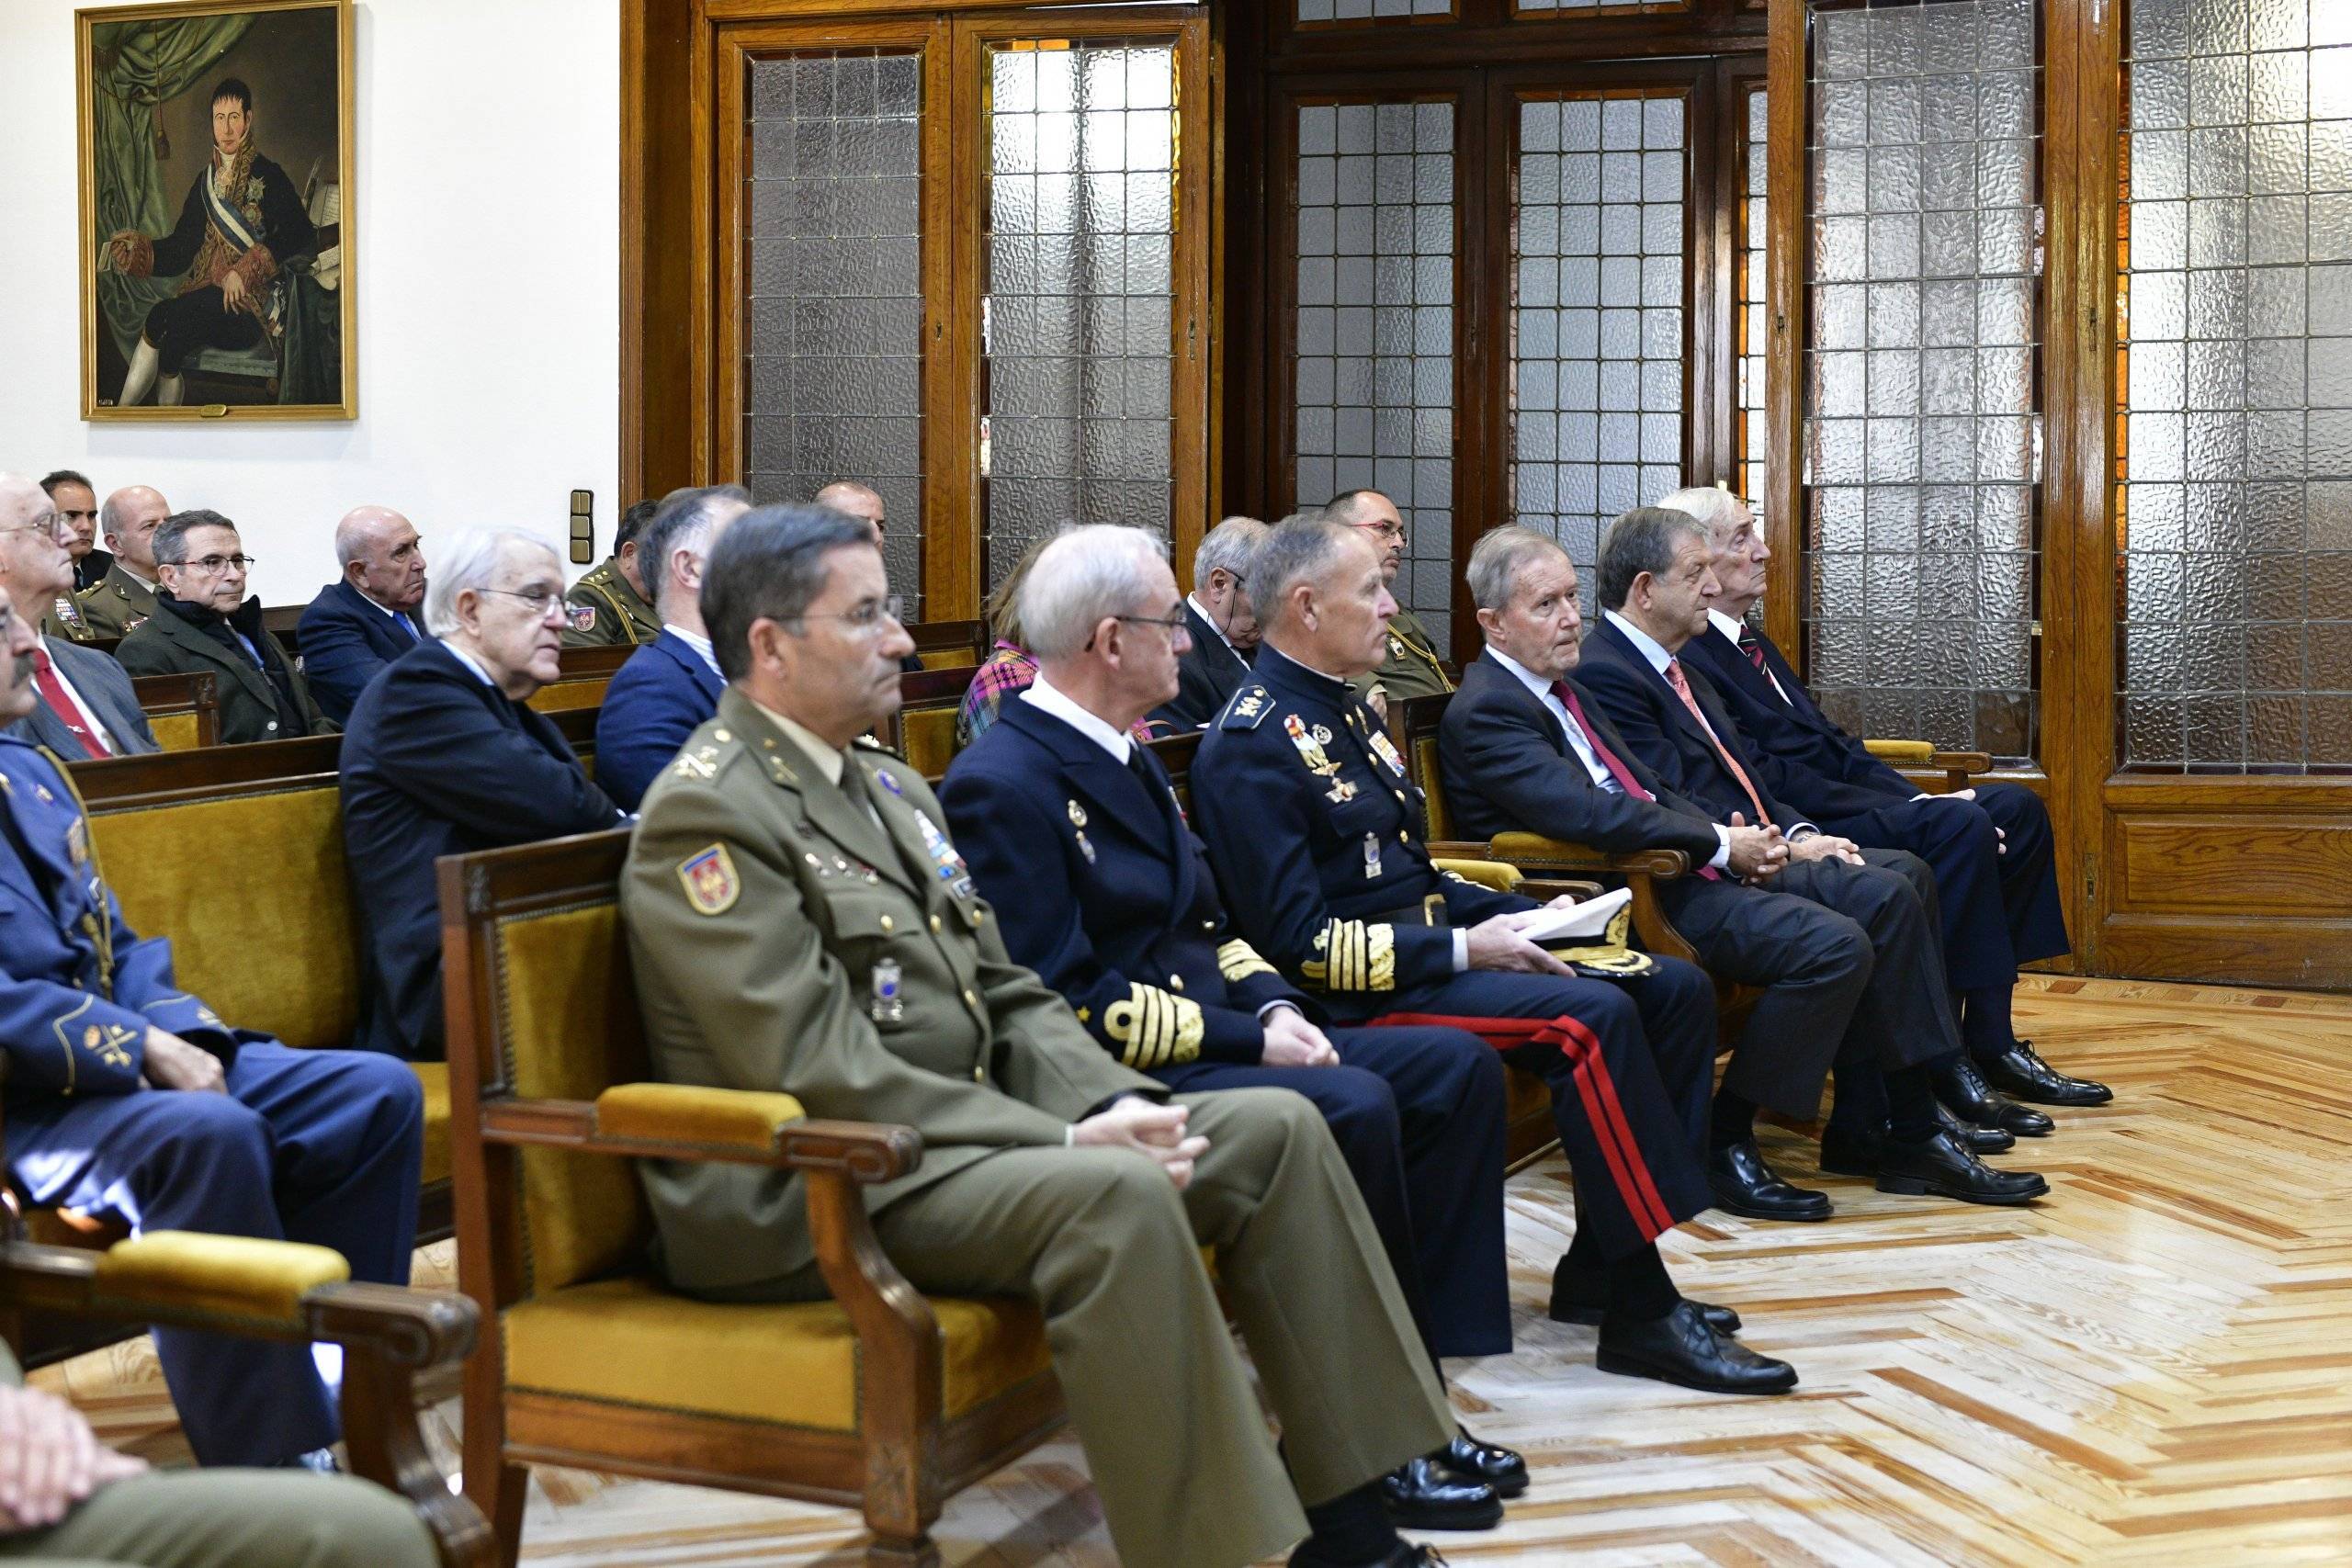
[[321, 1146], [1417, 1114], [1630, 1064]]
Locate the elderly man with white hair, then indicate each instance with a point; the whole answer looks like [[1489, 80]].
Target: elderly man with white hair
[[370, 616], [1224, 626], [443, 757], [82, 702], [1990, 847]]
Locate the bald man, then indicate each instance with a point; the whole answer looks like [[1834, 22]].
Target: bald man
[[126, 595], [864, 502], [358, 626]]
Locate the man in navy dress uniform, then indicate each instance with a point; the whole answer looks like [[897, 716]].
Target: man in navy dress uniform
[[1318, 840], [128, 1097], [1990, 846], [1074, 834]]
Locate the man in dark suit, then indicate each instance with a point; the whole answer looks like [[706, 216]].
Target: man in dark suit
[[1991, 846], [1223, 628], [444, 758], [77, 508], [82, 703], [203, 621], [1846, 953], [1318, 842], [130, 1100], [359, 625], [672, 684], [1655, 588], [1074, 834]]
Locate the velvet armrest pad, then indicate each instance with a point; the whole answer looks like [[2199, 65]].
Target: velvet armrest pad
[[1497, 875], [243, 1279], [1559, 854], [1916, 753], [685, 1113]]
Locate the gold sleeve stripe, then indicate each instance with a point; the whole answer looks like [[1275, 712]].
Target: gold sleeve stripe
[[1154, 1028], [1355, 957], [1237, 961]]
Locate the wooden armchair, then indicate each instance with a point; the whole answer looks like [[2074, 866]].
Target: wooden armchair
[[277, 1289], [1920, 756], [878, 1398], [183, 710], [923, 729]]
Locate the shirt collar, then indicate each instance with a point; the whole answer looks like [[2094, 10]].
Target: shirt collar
[[829, 758], [1725, 625], [701, 645], [1527, 678], [1652, 649], [1045, 694], [470, 663], [1210, 621], [147, 583]]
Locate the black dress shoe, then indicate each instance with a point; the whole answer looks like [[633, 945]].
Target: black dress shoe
[[1979, 1140], [1746, 1185], [2020, 1072], [1421, 1495], [1498, 1467], [1566, 1308], [1683, 1350], [1963, 1089], [1942, 1167]]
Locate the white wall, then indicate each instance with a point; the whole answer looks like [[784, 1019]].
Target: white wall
[[488, 216]]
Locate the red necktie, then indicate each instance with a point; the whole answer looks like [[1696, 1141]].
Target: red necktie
[[61, 702], [1681, 684], [1617, 770]]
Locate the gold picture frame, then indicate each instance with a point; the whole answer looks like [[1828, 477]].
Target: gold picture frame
[[183, 111]]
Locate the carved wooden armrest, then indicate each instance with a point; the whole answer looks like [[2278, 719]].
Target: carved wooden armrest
[[275, 1290], [1958, 767], [1546, 888], [682, 1121], [1642, 869]]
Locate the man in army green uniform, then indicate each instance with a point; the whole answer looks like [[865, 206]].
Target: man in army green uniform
[[616, 592], [799, 920], [126, 594], [1411, 666]]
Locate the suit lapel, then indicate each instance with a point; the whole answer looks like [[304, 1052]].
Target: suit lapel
[[246, 673], [827, 809], [1122, 802]]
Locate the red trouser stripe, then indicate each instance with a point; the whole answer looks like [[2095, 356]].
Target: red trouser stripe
[[1595, 1087]]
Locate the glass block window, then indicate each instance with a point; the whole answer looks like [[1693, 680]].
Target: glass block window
[[1922, 431], [833, 368], [1597, 314], [1077, 315], [2235, 471], [1313, 12], [1374, 404], [1751, 324]]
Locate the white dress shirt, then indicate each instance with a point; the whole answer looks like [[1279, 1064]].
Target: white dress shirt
[[90, 720], [1059, 703], [1655, 651], [1582, 744], [699, 644]]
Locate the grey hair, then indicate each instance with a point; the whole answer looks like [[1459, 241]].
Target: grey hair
[[1228, 547], [1298, 549], [1638, 541], [770, 565], [170, 533], [684, 518], [1713, 507], [1085, 574], [466, 564], [1500, 555]]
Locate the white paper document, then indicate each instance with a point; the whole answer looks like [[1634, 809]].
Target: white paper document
[[1578, 922]]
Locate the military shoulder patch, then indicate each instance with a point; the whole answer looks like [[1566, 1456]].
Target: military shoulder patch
[[710, 881], [1248, 709]]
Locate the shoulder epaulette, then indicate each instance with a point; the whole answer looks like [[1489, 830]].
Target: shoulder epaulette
[[1247, 708]]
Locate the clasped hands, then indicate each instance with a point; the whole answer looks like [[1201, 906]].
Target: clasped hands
[[50, 1459]]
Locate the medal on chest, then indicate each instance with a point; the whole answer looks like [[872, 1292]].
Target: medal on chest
[[888, 1006], [946, 862], [1386, 750], [1078, 827], [1370, 856]]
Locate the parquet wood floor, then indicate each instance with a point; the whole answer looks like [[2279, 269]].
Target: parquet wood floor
[[2152, 1367]]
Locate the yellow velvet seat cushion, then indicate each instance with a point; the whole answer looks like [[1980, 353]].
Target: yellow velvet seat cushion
[[930, 738], [688, 1113], [631, 1341], [1500, 875], [174, 731], [230, 1278], [1918, 753], [434, 1079], [562, 696]]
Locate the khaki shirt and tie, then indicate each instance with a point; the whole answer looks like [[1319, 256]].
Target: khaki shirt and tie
[[1411, 666]]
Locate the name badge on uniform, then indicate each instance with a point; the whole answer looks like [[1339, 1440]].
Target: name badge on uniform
[[1370, 856], [888, 1006]]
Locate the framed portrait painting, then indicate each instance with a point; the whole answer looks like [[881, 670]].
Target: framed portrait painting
[[217, 211]]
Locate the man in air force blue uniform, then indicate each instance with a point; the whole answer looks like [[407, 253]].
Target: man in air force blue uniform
[[1074, 834], [1316, 838], [127, 1097]]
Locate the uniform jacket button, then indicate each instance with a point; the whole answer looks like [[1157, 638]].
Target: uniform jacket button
[[1175, 982], [970, 998], [935, 925], [979, 1073], [888, 925]]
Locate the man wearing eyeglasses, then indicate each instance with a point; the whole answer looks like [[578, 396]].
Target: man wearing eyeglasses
[[83, 707], [204, 621], [1411, 667], [444, 756], [1224, 627]]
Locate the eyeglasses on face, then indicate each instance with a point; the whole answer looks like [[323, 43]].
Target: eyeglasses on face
[[210, 564], [543, 599], [1172, 624], [868, 618], [1384, 530]]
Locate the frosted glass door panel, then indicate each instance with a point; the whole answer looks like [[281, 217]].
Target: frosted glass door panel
[[1922, 452], [833, 266], [1080, 290]]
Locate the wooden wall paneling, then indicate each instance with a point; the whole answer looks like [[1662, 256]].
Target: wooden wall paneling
[[1484, 33], [1785, 271], [1246, 257], [1728, 91], [1193, 452], [659, 106], [951, 372], [1212, 325]]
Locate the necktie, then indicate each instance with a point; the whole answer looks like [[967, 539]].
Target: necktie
[[410, 626], [1750, 645], [1617, 769], [61, 702], [1681, 684]]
